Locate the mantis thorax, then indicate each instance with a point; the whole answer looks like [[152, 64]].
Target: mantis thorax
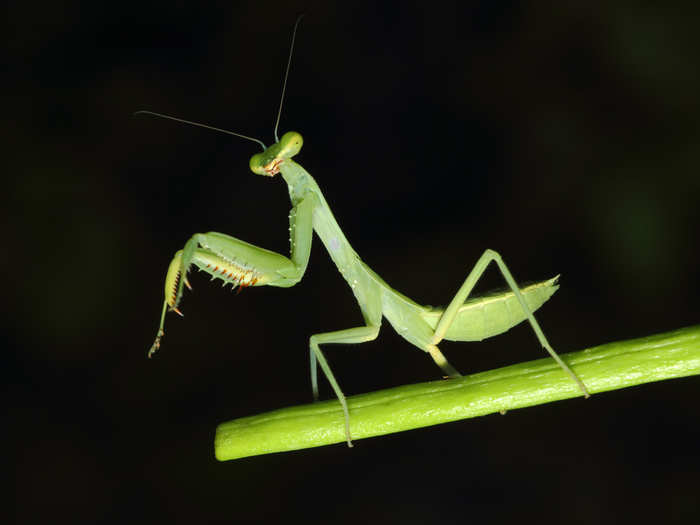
[[268, 162]]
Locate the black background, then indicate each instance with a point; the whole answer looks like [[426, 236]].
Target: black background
[[567, 138]]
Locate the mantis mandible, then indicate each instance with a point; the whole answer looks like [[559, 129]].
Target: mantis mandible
[[245, 265]]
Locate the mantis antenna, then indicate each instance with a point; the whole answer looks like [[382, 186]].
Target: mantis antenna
[[279, 111], [286, 74], [154, 114]]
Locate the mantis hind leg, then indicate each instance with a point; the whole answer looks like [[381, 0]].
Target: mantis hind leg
[[452, 309], [360, 334], [440, 360]]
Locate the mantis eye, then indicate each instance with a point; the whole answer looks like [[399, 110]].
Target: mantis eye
[[266, 163], [257, 164], [290, 144]]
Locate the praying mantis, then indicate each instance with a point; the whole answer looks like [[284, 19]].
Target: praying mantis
[[241, 264]]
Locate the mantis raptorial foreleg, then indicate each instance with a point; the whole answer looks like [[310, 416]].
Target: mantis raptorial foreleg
[[239, 263], [452, 309]]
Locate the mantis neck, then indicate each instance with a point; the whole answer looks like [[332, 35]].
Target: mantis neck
[[301, 184], [353, 270]]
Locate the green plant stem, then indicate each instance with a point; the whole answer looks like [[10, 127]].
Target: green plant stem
[[607, 367]]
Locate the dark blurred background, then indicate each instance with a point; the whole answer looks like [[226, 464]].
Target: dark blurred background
[[566, 137]]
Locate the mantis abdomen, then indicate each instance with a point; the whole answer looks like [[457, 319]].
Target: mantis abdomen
[[490, 315]]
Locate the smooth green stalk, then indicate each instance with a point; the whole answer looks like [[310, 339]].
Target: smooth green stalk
[[602, 368]]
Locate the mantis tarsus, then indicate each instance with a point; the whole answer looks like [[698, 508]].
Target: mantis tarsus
[[241, 264]]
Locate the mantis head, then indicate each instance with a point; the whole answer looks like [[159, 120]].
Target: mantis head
[[268, 162]]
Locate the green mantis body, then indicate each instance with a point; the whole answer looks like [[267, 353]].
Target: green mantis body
[[242, 264]]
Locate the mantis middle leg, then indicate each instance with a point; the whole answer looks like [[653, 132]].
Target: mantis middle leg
[[452, 309], [360, 334]]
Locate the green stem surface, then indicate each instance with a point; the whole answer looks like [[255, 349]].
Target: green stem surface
[[602, 368]]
